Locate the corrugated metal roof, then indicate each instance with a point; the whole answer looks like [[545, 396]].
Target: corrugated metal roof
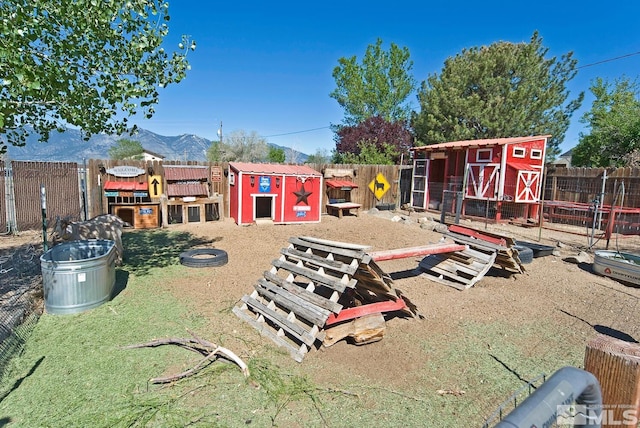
[[125, 185], [186, 173], [479, 143], [268, 168], [338, 184], [187, 189]]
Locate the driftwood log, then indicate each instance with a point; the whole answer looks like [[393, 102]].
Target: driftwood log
[[210, 350]]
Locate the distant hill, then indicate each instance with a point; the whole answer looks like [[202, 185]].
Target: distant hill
[[69, 146]]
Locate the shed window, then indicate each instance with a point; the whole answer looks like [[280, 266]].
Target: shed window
[[483, 155], [519, 152], [536, 154]]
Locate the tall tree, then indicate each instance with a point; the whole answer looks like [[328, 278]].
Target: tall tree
[[370, 154], [379, 86], [614, 122], [126, 149], [375, 133], [85, 63], [501, 90], [239, 146]]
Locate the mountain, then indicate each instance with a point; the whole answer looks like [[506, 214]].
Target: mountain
[[69, 146]]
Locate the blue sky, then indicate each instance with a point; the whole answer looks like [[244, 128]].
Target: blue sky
[[267, 66]]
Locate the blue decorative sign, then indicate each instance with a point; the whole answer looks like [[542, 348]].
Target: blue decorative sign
[[301, 214], [265, 184], [111, 194], [140, 194], [145, 211]]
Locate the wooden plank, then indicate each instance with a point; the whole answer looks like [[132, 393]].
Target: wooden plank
[[327, 281], [292, 328], [372, 308], [297, 353], [488, 246], [489, 237], [401, 253], [334, 265], [346, 252], [303, 293], [367, 329], [300, 307], [445, 281]]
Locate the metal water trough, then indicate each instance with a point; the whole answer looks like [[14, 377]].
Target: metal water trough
[[78, 275]]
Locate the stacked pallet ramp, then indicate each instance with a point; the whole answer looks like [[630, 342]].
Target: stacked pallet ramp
[[312, 280]]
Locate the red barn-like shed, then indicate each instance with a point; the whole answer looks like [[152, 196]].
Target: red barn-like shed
[[284, 194], [504, 172]]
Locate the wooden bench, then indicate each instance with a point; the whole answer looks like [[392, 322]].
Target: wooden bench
[[338, 208]]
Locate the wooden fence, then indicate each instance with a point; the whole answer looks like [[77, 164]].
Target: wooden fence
[[76, 190]]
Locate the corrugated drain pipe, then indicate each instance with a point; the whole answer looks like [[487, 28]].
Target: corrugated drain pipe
[[564, 387]]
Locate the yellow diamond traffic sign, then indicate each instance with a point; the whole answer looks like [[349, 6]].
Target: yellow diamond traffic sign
[[379, 186]]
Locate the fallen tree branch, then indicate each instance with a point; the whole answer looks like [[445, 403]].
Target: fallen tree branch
[[210, 350]]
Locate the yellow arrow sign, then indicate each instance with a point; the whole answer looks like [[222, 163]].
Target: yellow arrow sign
[[379, 186], [155, 186]]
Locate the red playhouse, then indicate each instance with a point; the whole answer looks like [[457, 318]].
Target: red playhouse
[[495, 178], [283, 194]]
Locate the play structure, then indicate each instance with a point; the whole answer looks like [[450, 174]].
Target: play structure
[[325, 291]]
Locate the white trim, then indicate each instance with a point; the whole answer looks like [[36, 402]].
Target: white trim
[[533, 154], [521, 156], [478, 151]]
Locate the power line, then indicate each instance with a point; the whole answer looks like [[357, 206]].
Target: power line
[[609, 60], [296, 132]]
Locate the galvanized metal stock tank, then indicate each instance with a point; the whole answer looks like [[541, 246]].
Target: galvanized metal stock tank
[[78, 275]]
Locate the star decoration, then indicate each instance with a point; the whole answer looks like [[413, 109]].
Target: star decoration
[[302, 195]]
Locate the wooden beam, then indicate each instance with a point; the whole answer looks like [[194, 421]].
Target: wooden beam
[[402, 253]]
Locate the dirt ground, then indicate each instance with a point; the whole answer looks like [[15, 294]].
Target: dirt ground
[[552, 290]]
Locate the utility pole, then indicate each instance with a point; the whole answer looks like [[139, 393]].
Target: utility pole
[[220, 132]]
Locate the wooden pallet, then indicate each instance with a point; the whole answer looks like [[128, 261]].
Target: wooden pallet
[[460, 269], [311, 280]]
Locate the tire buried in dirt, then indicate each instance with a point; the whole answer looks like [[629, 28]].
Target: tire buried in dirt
[[524, 253], [204, 257]]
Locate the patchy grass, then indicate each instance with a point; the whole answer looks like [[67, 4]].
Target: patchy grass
[[73, 371]]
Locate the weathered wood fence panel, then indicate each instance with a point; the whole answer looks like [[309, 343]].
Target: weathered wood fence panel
[[60, 180]]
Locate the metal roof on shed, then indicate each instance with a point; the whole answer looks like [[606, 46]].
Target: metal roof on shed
[[479, 143], [268, 168], [185, 173], [186, 189]]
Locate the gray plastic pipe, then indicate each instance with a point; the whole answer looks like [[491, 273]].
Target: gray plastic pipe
[[564, 387]]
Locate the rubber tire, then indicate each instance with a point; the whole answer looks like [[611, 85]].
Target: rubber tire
[[525, 254], [218, 258]]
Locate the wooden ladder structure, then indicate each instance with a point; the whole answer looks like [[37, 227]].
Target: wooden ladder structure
[[464, 268], [311, 280]]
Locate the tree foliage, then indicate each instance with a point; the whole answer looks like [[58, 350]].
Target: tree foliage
[[379, 86], [501, 90], [276, 155], [369, 154], [614, 122], [319, 157], [87, 63], [376, 134], [239, 146], [126, 149]]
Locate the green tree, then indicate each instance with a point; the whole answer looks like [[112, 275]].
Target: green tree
[[276, 155], [86, 63], [379, 86], [239, 146], [126, 149], [369, 154], [614, 122], [501, 90]]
